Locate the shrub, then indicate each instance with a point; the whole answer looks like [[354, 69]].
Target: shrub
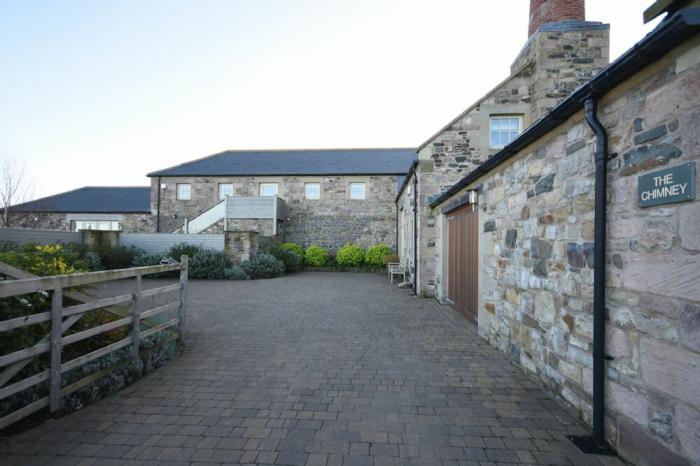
[[292, 261], [118, 257], [350, 256], [89, 257], [375, 255], [93, 262], [43, 260], [235, 273], [209, 265], [294, 247], [263, 265], [180, 249], [316, 256], [145, 259]]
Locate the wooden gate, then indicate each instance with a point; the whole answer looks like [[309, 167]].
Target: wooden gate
[[462, 261]]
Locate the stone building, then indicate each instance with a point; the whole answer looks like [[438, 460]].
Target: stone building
[[515, 239], [91, 207], [563, 51], [329, 197]]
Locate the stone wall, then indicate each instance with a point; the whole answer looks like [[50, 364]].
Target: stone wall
[[330, 221], [240, 245], [536, 264], [130, 223], [563, 56]]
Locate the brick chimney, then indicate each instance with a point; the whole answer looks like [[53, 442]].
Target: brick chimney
[[552, 11]]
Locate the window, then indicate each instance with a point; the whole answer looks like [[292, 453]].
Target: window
[[357, 191], [312, 190], [184, 192], [225, 190], [268, 189], [503, 130], [95, 225]]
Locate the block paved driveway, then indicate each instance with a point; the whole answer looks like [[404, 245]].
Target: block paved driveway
[[316, 369]]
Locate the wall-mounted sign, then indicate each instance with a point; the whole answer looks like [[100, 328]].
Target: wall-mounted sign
[[674, 184]]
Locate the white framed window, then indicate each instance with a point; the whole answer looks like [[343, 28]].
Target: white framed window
[[268, 189], [357, 191], [312, 190], [225, 190], [503, 130], [184, 191], [104, 225]]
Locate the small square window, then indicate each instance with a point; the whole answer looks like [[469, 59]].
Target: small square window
[[357, 191], [268, 189], [312, 190], [225, 190], [503, 130], [184, 192]]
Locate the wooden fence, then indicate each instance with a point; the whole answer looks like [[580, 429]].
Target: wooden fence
[[62, 318]]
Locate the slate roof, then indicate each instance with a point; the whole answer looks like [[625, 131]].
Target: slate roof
[[297, 162], [93, 199]]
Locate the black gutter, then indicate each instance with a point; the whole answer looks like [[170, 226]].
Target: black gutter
[[667, 35], [397, 229], [601, 187], [411, 172], [158, 209]]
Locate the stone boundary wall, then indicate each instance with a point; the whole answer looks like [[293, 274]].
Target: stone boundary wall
[[536, 264]]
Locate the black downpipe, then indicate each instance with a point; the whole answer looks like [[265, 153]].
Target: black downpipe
[[397, 228], [415, 232], [158, 209], [601, 174]]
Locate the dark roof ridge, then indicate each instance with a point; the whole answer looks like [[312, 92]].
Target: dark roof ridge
[[200, 166]]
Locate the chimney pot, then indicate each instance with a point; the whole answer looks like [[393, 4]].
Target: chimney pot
[[552, 11]]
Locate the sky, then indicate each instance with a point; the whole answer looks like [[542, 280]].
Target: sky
[[102, 93]]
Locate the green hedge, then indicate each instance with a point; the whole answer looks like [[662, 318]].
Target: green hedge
[[236, 273], [350, 255], [263, 265], [294, 247], [316, 256], [209, 265], [292, 261], [375, 255], [184, 249]]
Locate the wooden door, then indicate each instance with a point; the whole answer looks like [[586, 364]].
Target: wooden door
[[463, 261]]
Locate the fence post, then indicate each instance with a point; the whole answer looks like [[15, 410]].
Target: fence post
[[136, 312], [184, 263], [56, 335]]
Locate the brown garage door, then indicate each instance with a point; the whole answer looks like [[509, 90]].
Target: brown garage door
[[462, 261]]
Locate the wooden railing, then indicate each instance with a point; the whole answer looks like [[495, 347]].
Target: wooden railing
[[62, 318]]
